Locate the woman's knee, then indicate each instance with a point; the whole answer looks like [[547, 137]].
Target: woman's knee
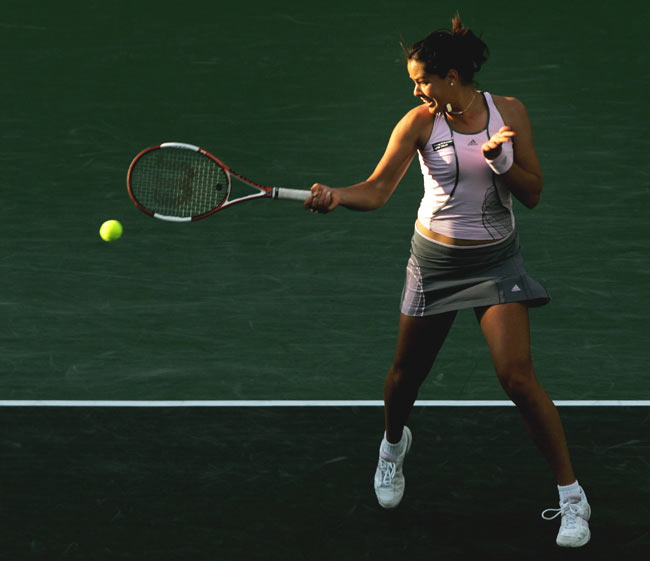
[[407, 373], [518, 379]]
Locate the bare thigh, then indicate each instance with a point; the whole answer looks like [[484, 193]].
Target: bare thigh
[[418, 342]]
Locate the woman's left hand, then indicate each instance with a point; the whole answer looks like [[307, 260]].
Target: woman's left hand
[[492, 148]]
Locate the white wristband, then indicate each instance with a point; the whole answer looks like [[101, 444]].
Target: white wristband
[[502, 163]]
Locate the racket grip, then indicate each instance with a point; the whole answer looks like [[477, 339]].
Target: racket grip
[[290, 194]]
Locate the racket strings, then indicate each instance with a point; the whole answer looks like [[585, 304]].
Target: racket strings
[[178, 182]]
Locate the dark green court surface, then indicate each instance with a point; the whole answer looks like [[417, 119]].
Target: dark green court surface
[[296, 483]]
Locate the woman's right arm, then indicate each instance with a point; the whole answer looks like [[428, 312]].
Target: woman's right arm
[[375, 191]]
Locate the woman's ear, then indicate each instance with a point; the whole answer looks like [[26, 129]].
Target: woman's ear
[[452, 77]]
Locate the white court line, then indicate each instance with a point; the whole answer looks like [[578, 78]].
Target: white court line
[[303, 403]]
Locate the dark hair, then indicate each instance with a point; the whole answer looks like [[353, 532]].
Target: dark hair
[[443, 50]]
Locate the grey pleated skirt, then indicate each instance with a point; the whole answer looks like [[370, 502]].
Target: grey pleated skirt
[[441, 278]]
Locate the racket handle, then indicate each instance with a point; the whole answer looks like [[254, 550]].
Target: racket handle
[[290, 194]]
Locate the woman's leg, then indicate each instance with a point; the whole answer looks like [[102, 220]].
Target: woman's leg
[[418, 342], [507, 331]]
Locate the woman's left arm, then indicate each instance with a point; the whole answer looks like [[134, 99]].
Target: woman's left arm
[[524, 177]]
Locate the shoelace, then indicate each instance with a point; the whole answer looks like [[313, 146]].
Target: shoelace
[[388, 470], [568, 509]]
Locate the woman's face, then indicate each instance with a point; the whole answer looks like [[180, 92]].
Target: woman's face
[[431, 89]]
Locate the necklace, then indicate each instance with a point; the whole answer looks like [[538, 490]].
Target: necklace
[[448, 107]]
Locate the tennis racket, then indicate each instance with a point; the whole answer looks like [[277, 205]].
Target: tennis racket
[[182, 183]]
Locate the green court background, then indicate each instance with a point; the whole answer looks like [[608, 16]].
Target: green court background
[[267, 301]]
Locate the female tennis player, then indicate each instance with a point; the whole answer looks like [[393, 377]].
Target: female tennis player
[[476, 151]]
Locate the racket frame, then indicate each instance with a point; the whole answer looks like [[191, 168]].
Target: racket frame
[[263, 191]]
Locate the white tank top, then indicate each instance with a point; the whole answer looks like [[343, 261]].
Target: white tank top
[[463, 198]]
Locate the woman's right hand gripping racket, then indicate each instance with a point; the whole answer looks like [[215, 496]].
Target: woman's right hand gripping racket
[[181, 182]]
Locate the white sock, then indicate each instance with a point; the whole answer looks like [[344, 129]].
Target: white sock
[[570, 492], [390, 451]]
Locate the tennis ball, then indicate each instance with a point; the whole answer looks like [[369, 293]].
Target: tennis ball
[[110, 230]]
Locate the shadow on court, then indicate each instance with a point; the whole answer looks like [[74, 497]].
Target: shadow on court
[[296, 483]]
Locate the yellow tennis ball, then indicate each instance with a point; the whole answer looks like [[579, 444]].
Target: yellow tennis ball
[[110, 230]]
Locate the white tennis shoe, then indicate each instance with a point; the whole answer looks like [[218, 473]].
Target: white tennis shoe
[[389, 478], [574, 529]]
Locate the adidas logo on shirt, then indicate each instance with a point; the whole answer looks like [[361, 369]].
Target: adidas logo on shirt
[[516, 288], [472, 143]]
